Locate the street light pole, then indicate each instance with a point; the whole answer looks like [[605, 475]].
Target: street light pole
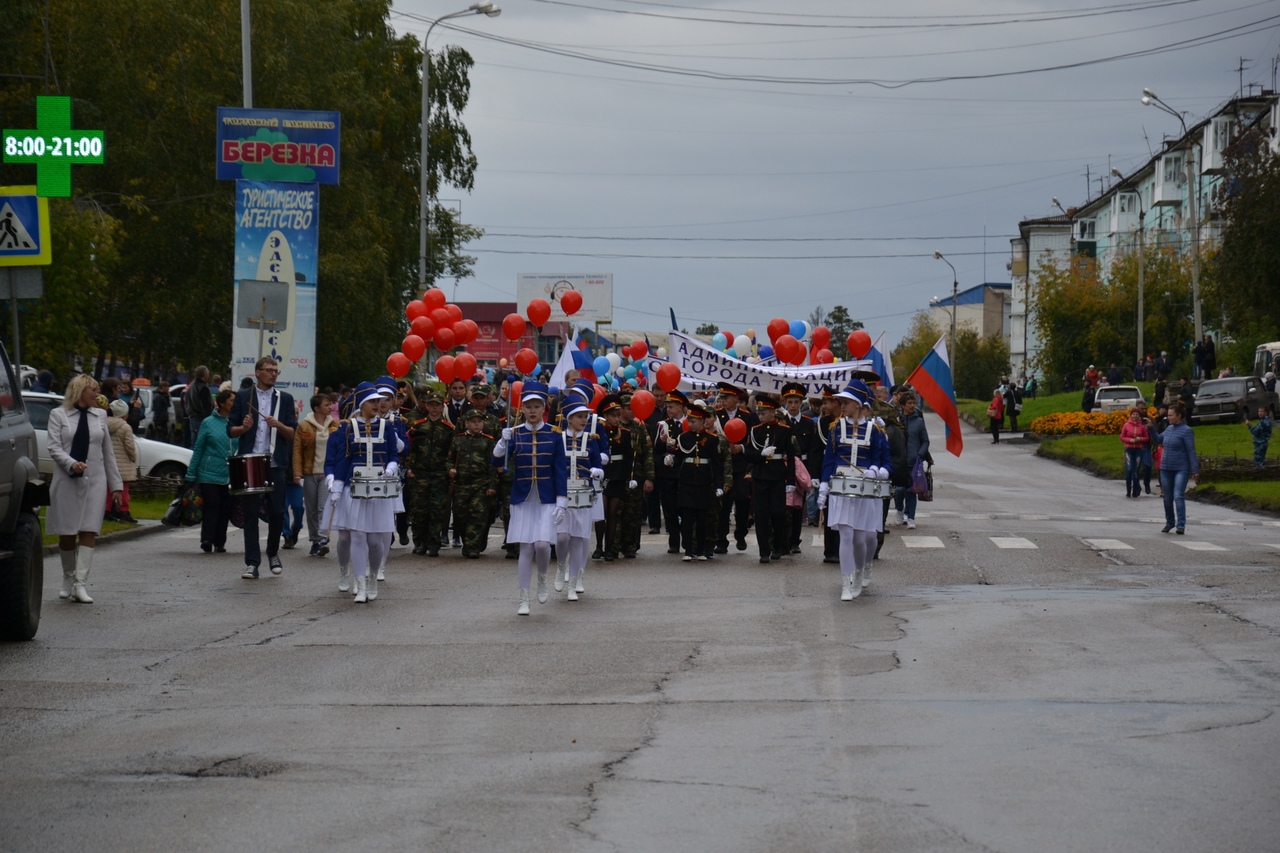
[[955, 292], [481, 8], [1149, 98], [1142, 262]]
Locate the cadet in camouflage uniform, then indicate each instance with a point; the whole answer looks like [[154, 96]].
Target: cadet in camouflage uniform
[[475, 482], [494, 421], [430, 440], [635, 510]]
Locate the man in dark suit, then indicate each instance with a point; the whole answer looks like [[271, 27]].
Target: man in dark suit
[[736, 506], [263, 420]]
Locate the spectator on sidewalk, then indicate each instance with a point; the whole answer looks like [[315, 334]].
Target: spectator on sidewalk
[[1135, 438], [995, 413], [1178, 465], [198, 401], [1261, 432], [126, 451]]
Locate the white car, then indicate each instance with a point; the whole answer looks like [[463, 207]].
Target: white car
[[1118, 398], [155, 458]]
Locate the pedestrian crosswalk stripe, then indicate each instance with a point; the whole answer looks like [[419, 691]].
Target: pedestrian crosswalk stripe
[[1198, 546], [1013, 542], [922, 542], [1108, 545]]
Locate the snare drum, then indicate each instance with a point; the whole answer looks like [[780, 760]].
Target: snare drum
[[848, 482], [580, 494], [369, 483], [250, 474]]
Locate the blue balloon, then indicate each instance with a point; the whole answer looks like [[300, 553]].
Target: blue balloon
[[719, 341], [630, 371], [797, 329], [641, 369], [600, 365], [766, 351]]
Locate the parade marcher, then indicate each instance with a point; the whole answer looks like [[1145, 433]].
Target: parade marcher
[[389, 410], [617, 474], [310, 442], [698, 458], [1136, 440], [668, 476], [770, 459], [708, 546], [539, 497], [475, 481], [1178, 464], [208, 469], [886, 416], [84, 469], [808, 449], [428, 467], [1261, 432], [634, 509], [361, 459], [855, 448], [737, 503], [583, 451], [263, 419], [653, 498], [829, 415]]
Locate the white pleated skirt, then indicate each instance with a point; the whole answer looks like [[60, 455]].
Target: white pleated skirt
[[578, 522], [597, 508], [531, 522], [368, 515], [858, 513]]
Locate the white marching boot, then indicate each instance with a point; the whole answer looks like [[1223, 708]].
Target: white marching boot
[[361, 595], [68, 572], [578, 587], [543, 595], [562, 561], [572, 595], [846, 588], [856, 584], [523, 609], [382, 572], [371, 587], [84, 561], [344, 578], [866, 575]]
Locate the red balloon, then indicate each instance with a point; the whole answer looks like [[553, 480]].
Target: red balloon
[[473, 330], [464, 366], [684, 426], [445, 368], [784, 347], [570, 302], [526, 360], [513, 326], [801, 353], [824, 356], [777, 328], [398, 364], [859, 343], [626, 352], [539, 312], [643, 404], [735, 429], [440, 318], [423, 328], [821, 337], [669, 377], [445, 339], [416, 308], [434, 298], [459, 332], [597, 394], [728, 339], [455, 313], [516, 388], [414, 347], [639, 349]]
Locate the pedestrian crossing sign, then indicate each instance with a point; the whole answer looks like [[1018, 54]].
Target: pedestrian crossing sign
[[24, 228]]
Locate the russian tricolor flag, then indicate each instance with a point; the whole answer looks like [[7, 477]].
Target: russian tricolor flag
[[932, 379], [880, 361]]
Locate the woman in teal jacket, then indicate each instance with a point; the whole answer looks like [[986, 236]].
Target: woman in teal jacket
[[208, 468]]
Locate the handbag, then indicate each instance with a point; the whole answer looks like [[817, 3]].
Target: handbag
[[186, 509], [919, 482], [927, 494]]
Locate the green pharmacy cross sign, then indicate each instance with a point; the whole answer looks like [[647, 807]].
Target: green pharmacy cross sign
[[53, 146]]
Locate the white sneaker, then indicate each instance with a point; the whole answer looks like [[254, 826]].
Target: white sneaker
[[846, 588], [344, 578], [902, 518], [560, 574], [543, 595], [523, 609], [911, 524]]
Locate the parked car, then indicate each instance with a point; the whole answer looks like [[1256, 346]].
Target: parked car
[[155, 458], [1233, 399], [1118, 398], [22, 493]]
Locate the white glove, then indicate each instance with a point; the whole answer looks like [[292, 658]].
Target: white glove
[[719, 493], [877, 472], [562, 503], [822, 495], [335, 488], [669, 460], [879, 421], [392, 470], [597, 474], [632, 484], [506, 433], [500, 448], [791, 490], [558, 515], [328, 482], [769, 452], [883, 475], [604, 458]]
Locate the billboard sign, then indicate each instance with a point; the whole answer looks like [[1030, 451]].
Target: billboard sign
[[596, 290], [298, 146]]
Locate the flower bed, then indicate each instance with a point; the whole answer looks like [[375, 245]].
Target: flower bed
[[1079, 423]]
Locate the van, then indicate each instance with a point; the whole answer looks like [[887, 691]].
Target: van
[[1266, 359]]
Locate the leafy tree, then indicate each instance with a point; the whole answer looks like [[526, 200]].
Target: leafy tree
[[706, 329], [980, 362], [841, 324], [921, 335]]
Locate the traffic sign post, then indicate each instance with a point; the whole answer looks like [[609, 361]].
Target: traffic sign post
[[53, 146], [24, 228]]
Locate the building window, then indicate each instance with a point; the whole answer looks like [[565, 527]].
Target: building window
[[1173, 171]]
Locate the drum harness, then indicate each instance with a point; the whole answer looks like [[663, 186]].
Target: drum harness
[[578, 450]]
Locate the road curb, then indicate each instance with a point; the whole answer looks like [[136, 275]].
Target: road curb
[[119, 536]]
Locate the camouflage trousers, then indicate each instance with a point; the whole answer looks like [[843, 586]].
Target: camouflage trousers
[[428, 508], [632, 513], [472, 511]]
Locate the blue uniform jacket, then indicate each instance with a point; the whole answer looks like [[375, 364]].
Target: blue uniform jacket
[[537, 458], [872, 449], [343, 453]]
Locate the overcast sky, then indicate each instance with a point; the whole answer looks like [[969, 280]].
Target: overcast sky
[[772, 162]]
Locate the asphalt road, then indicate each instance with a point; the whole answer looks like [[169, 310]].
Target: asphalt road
[[1035, 668]]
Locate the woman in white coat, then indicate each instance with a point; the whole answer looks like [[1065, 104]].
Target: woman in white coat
[[84, 469]]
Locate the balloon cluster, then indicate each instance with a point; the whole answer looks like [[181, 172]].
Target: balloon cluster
[[434, 321], [793, 342]]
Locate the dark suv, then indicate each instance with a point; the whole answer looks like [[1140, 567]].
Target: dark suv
[[22, 493], [1233, 399]]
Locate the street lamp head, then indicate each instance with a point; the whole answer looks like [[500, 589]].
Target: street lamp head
[[1116, 173], [937, 256], [482, 7], [1147, 93], [494, 12], [1147, 101], [1055, 202]]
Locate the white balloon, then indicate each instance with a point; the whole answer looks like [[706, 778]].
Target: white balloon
[[662, 352], [742, 345], [808, 330], [619, 371], [615, 360]]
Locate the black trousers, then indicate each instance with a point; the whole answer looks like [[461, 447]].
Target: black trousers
[[668, 491], [693, 528], [736, 505], [275, 500], [217, 513], [653, 507], [769, 502]]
